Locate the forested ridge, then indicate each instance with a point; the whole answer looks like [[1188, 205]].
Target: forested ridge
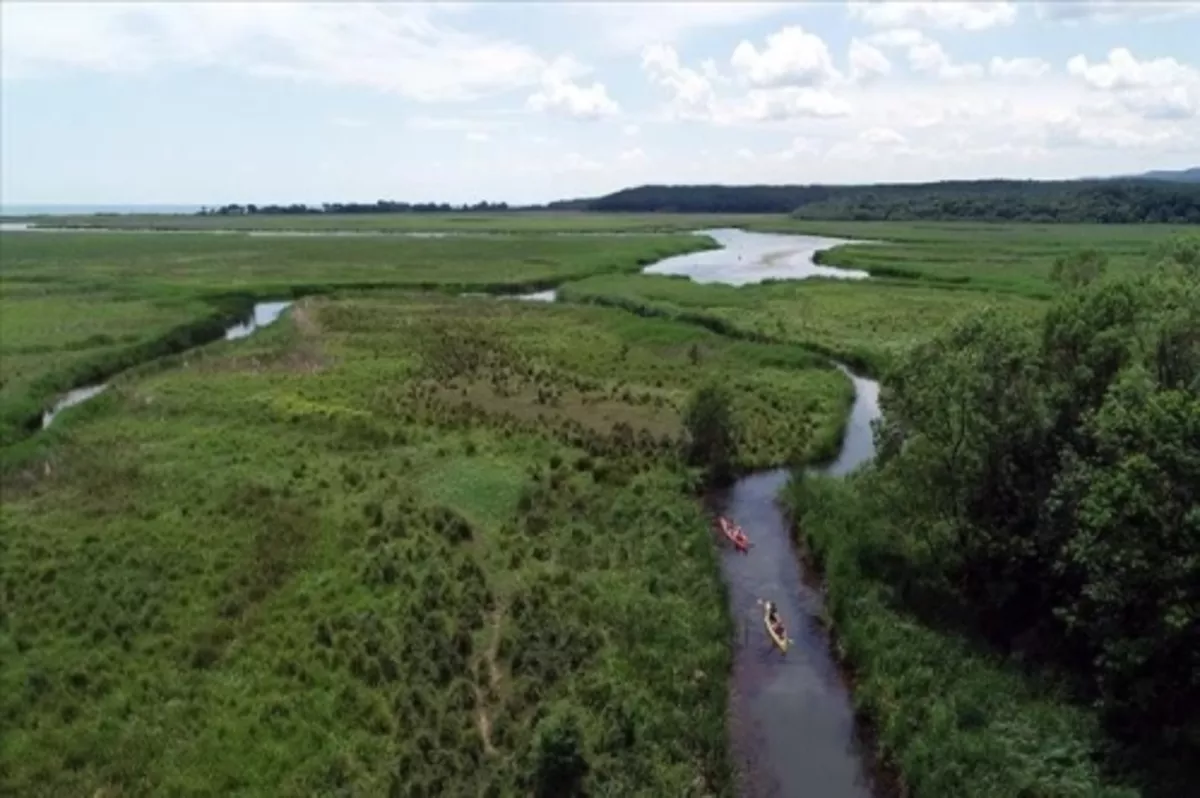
[[1104, 201], [1157, 197]]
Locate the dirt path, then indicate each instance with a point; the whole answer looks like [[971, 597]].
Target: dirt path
[[494, 678]]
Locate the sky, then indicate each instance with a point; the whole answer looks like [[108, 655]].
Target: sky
[[456, 102]]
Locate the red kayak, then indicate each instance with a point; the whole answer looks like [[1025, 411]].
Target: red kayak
[[735, 534]]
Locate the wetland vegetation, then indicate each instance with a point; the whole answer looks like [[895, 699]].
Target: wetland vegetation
[[79, 307], [1033, 508], [409, 543]]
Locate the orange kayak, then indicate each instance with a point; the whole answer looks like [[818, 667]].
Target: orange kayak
[[735, 534]]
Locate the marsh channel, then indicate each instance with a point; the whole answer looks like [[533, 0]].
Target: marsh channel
[[793, 730]]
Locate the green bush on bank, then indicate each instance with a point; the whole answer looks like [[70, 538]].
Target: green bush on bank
[[952, 720]]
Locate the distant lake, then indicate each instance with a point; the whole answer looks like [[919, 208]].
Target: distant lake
[[83, 210]]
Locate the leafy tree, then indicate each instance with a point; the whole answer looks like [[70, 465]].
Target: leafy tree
[[1079, 268], [1048, 481], [710, 433], [1132, 506], [559, 763]]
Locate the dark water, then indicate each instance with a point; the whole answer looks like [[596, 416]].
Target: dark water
[[264, 313], [792, 725], [793, 730]]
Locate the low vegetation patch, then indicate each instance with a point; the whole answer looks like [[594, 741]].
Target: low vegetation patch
[[866, 324], [463, 558], [76, 308]]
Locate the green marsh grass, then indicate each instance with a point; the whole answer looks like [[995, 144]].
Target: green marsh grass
[[384, 547], [864, 323], [78, 307]]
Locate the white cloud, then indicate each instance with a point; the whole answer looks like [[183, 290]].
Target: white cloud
[[897, 37], [345, 121], [800, 146], [692, 94], [632, 26], [478, 137], [1160, 88], [695, 98], [763, 105], [924, 54], [866, 62], [1109, 11], [929, 57], [1018, 67], [562, 95], [1123, 71], [791, 57], [946, 14], [574, 162], [882, 136], [1069, 130], [406, 49], [630, 130], [744, 154], [634, 155]]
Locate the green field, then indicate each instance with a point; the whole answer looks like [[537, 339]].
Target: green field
[[1000, 257], [146, 295], [863, 323], [386, 544], [408, 543], [511, 222]]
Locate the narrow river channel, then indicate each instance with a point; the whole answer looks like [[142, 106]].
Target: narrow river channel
[[264, 313], [792, 725], [792, 729]]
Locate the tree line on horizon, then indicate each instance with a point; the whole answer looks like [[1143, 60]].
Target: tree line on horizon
[[1112, 201], [379, 206], [1104, 201]]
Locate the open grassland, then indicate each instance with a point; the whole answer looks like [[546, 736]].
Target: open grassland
[[272, 264], [510, 222], [391, 545], [1001, 257], [1013, 257], [997, 256], [77, 307], [865, 323]]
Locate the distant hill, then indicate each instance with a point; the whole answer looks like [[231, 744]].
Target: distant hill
[[1175, 176], [1116, 200]]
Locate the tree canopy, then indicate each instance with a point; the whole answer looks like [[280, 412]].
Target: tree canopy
[[1107, 201], [1047, 480]]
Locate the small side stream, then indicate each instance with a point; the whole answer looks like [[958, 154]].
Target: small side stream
[[264, 314]]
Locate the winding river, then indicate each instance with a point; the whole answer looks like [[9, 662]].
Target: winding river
[[792, 725]]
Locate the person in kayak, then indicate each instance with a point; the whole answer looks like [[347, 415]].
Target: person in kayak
[[732, 530], [773, 618]]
